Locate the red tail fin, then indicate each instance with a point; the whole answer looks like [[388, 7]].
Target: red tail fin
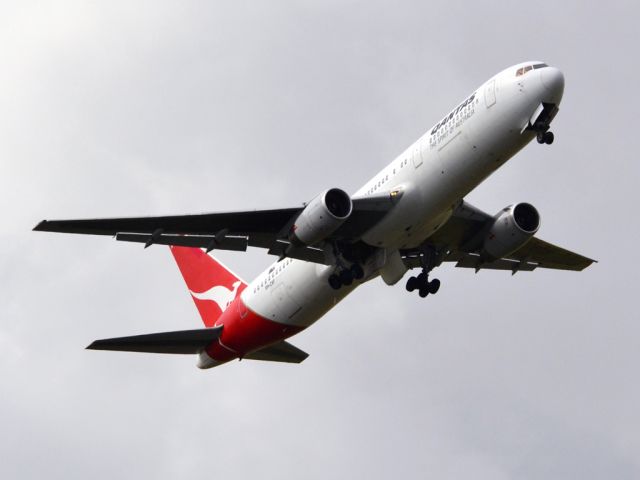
[[212, 286]]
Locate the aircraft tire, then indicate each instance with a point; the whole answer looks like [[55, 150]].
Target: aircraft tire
[[357, 271], [540, 138], [548, 138], [334, 281], [434, 286], [412, 284], [423, 292], [346, 277]]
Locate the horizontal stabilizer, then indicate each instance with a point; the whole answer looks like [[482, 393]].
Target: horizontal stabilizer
[[183, 341], [279, 352], [474, 261]]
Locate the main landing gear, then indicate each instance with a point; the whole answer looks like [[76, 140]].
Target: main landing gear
[[421, 282], [423, 285], [346, 276]]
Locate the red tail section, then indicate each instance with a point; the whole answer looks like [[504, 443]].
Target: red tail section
[[212, 286]]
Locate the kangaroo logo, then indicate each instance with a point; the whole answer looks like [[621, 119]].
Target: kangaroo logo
[[219, 294]]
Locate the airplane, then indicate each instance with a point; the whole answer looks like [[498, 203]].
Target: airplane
[[410, 215]]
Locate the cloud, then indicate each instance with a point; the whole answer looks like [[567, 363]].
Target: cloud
[[152, 107]]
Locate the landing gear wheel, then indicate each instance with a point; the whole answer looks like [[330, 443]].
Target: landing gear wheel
[[334, 281], [422, 284], [346, 277], [545, 137], [434, 286], [356, 271]]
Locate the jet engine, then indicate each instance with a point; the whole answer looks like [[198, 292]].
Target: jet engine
[[512, 227], [321, 217]]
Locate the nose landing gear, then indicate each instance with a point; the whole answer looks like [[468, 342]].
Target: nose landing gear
[[545, 137], [541, 121], [541, 124]]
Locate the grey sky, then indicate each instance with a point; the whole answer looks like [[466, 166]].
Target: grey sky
[[136, 108]]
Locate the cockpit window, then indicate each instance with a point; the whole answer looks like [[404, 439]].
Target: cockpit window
[[522, 70]]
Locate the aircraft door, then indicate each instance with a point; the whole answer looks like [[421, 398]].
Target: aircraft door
[[416, 156], [490, 93]]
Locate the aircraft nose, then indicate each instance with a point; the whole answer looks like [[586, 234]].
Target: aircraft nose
[[553, 82]]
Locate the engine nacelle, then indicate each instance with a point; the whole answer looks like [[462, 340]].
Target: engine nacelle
[[512, 228], [321, 217]]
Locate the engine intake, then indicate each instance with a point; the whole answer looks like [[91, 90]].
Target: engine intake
[[512, 227], [321, 217]]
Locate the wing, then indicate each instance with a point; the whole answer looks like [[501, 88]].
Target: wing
[[230, 230], [461, 240]]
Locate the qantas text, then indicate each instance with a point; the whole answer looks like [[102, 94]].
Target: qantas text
[[446, 119]]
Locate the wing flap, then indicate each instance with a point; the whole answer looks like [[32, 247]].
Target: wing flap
[[180, 342], [474, 261], [279, 352], [210, 242], [547, 255]]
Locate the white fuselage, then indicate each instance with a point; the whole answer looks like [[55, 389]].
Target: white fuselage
[[453, 157]]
